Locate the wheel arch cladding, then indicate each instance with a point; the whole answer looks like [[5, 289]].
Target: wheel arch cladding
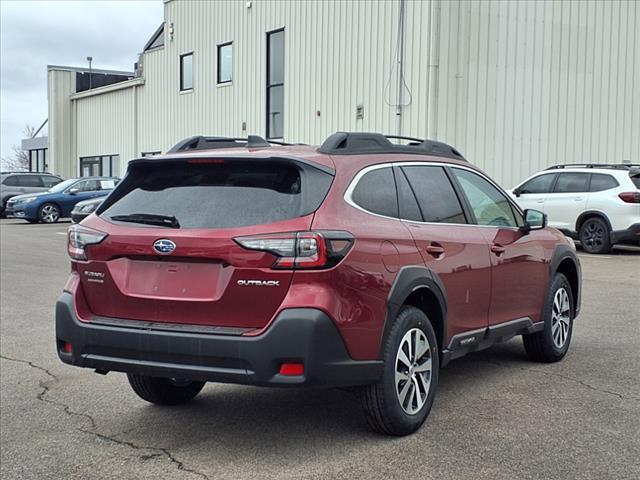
[[565, 261], [584, 216], [422, 288]]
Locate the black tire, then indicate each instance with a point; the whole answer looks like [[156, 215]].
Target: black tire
[[541, 346], [381, 401], [49, 213], [164, 391], [594, 236]]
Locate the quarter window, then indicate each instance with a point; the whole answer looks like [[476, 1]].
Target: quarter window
[[436, 197], [489, 205], [601, 181], [11, 181], [571, 183], [225, 62], [539, 184], [376, 192], [186, 72]]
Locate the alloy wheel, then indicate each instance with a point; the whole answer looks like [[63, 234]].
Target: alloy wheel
[[593, 236], [49, 214], [413, 371], [560, 317]]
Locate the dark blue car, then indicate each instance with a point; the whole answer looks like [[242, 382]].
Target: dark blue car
[[58, 201]]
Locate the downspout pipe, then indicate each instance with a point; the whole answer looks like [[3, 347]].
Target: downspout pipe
[[434, 65]]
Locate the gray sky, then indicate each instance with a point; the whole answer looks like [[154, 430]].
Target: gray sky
[[35, 34]]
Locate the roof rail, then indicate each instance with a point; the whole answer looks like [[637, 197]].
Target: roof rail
[[615, 166], [9, 172], [209, 143], [354, 143]]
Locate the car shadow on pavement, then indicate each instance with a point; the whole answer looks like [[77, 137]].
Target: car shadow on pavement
[[287, 421]]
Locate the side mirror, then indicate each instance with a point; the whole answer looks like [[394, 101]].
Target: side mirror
[[73, 191], [517, 192], [534, 220]]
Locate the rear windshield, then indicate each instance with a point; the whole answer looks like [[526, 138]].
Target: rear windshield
[[220, 195]]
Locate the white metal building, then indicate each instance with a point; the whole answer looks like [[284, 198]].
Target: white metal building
[[515, 85]]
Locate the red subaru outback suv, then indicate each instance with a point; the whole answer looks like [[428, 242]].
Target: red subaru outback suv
[[358, 263]]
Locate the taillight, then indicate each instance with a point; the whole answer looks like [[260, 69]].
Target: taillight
[[80, 238], [301, 250], [630, 197]]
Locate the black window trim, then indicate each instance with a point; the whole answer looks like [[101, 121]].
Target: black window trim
[[218, 58], [466, 208], [269, 86], [182, 56]]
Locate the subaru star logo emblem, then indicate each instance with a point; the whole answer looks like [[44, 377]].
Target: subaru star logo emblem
[[164, 246]]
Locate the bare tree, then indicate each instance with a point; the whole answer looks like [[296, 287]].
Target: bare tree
[[18, 159]]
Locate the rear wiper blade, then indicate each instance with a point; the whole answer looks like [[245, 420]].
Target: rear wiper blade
[[148, 219]]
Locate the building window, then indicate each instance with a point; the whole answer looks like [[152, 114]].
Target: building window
[[98, 166], [275, 84], [225, 62], [186, 72], [38, 160]]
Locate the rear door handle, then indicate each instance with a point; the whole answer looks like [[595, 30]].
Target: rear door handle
[[540, 201], [497, 249], [578, 199], [435, 250]]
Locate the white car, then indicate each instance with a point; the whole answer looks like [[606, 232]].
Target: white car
[[596, 204]]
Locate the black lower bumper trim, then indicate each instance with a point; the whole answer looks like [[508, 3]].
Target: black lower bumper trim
[[302, 335], [628, 235]]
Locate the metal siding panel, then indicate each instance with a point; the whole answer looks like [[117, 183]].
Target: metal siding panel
[[517, 85]]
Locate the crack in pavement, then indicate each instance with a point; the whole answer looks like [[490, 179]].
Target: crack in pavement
[[46, 388], [566, 377], [179, 465]]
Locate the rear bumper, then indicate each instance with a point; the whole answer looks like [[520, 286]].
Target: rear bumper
[[301, 335], [628, 235]]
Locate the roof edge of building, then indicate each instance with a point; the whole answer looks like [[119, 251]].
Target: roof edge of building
[[108, 88], [66, 68]]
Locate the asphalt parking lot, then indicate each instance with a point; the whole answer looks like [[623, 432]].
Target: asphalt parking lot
[[496, 414]]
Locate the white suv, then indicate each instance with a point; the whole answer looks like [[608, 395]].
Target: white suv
[[596, 204]]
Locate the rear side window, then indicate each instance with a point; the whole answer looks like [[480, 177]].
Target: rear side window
[[539, 184], [23, 181], [225, 195], [601, 181], [571, 183], [436, 198], [376, 192], [635, 178]]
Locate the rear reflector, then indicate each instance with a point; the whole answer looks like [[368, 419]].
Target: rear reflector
[[292, 369], [630, 197], [67, 348]]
